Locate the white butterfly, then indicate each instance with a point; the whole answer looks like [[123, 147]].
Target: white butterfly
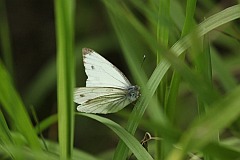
[[107, 89]]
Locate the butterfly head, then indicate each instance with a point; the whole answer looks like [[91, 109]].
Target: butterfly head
[[133, 93]]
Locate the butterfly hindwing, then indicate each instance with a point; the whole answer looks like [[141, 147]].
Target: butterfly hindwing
[[100, 99]]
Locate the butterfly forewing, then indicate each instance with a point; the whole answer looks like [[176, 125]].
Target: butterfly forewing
[[101, 73]]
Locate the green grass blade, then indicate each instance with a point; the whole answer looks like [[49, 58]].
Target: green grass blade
[[15, 108], [204, 68], [189, 23], [77, 154], [163, 28], [26, 153], [5, 135], [162, 91], [64, 11], [204, 90], [134, 145], [226, 79], [175, 81], [163, 38], [46, 123], [221, 151], [203, 129]]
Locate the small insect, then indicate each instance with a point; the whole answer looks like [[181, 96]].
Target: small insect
[[107, 89]]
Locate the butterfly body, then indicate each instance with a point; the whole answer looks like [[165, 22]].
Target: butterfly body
[[133, 93], [107, 89]]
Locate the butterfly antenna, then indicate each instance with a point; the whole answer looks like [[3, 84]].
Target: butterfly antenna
[[144, 57]]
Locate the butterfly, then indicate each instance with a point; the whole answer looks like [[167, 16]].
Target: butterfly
[[107, 88]]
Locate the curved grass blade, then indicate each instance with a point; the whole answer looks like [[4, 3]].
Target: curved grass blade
[[134, 145]]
